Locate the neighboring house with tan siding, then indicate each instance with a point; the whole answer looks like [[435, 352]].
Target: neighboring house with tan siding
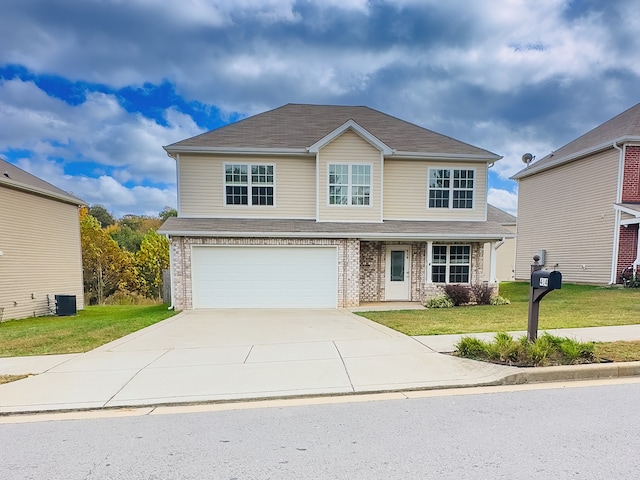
[[326, 206], [505, 256], [580, 205], [40, 253]]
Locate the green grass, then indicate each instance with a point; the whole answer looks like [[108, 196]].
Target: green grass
[[619, 351], [570, 307], [90, 328]]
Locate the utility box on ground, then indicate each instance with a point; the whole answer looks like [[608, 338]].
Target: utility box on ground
[[65, 305]]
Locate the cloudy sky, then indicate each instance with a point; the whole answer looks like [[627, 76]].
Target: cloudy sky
[[90, 90]]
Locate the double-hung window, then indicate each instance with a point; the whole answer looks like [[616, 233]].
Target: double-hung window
[[247, 184], [451, 188], [450, 263], [349, 184]]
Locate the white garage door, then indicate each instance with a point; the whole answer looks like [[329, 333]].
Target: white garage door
[[264, 277]]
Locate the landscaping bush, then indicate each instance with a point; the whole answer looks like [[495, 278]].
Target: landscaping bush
[[498, 300], [439, 302], [482, 293], [459, 294], [546, 350]]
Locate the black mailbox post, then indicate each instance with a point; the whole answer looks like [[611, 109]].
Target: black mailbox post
[[542, 282]]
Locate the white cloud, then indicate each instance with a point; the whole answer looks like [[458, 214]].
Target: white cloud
[[504, 200]]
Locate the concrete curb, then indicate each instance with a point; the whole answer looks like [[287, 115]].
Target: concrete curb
[[592, 371]]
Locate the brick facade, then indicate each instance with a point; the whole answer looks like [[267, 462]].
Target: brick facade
[[631, 178], [361, 267], [628, 241], [348, 264]]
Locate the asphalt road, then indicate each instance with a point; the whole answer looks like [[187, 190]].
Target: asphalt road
[[582, 433]]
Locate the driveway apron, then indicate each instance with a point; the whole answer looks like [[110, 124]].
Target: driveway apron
[[232, 354]]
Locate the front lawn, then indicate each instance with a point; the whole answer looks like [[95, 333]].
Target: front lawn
[[570, 307], [90, 328]]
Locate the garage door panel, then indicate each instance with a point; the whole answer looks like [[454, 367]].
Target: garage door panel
[[263, 277]]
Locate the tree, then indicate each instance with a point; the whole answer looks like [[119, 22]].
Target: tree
[[167, 212], [150, 261], [127, 238], [102, 215], [105, 266]]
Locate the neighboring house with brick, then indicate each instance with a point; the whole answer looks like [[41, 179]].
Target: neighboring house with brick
[[505, 256], [40, 253], [326, 206], [580, 205]]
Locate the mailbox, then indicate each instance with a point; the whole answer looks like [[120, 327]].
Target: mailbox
[[546, 280]]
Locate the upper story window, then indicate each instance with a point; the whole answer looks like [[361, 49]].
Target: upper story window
[[451, 188], [349, 184], [248, 184], [450, 263]]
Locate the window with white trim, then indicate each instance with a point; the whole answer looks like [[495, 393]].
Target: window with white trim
[[450, 263], [349, 184], [242, 188], [451, 188]]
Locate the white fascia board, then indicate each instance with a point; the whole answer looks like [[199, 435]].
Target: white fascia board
[[171, 151], [624, 209], [42, 192], [461, 157], [630, 221], [367, 236], [351, 125], [533, 169]]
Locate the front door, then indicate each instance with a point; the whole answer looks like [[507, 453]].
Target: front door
[[398, 276]]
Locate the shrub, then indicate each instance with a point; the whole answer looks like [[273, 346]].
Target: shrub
[[459, 294], [498, 300], [482, 293], [471, 347], [439, 302], [129, 298], [546, 350]]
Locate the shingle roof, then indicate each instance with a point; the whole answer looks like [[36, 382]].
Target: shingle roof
[[14, 177], [623, 126], [295, 126], [230, 227], [494, 214]]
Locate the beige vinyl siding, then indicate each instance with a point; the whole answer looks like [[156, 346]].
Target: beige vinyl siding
[[41, 253], [505, 258], [406, 185], [202, 187], [349, 148], [568, 211]]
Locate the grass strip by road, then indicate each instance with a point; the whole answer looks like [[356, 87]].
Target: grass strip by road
[[618, 351], [572, 306], [11, 378], [90, 328]]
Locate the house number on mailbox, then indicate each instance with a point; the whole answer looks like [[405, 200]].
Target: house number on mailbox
[[544, 282]]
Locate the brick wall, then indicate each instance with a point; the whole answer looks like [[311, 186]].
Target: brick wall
[[372, 271], [631, 178], [627, 248]]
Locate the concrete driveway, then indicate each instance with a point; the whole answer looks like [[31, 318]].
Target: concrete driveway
[[207, 355]]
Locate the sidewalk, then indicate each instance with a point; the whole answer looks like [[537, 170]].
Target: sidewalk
[[133, 372]]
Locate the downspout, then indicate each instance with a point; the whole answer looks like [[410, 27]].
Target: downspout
[[616, 232], [173, 303]]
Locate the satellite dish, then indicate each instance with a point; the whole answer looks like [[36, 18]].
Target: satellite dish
[[527, 158]]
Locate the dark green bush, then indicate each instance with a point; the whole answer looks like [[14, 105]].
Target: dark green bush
[[482, 293]]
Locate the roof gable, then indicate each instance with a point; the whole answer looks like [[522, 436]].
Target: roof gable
[[295, 128], [14, 177], [354, 127], [623, 127]]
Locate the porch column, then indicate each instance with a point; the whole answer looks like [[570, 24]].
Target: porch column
[[492, 263], [429, 260]]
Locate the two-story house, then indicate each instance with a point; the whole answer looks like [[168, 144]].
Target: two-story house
[[326, 206], [580, 205], [40, 251]]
